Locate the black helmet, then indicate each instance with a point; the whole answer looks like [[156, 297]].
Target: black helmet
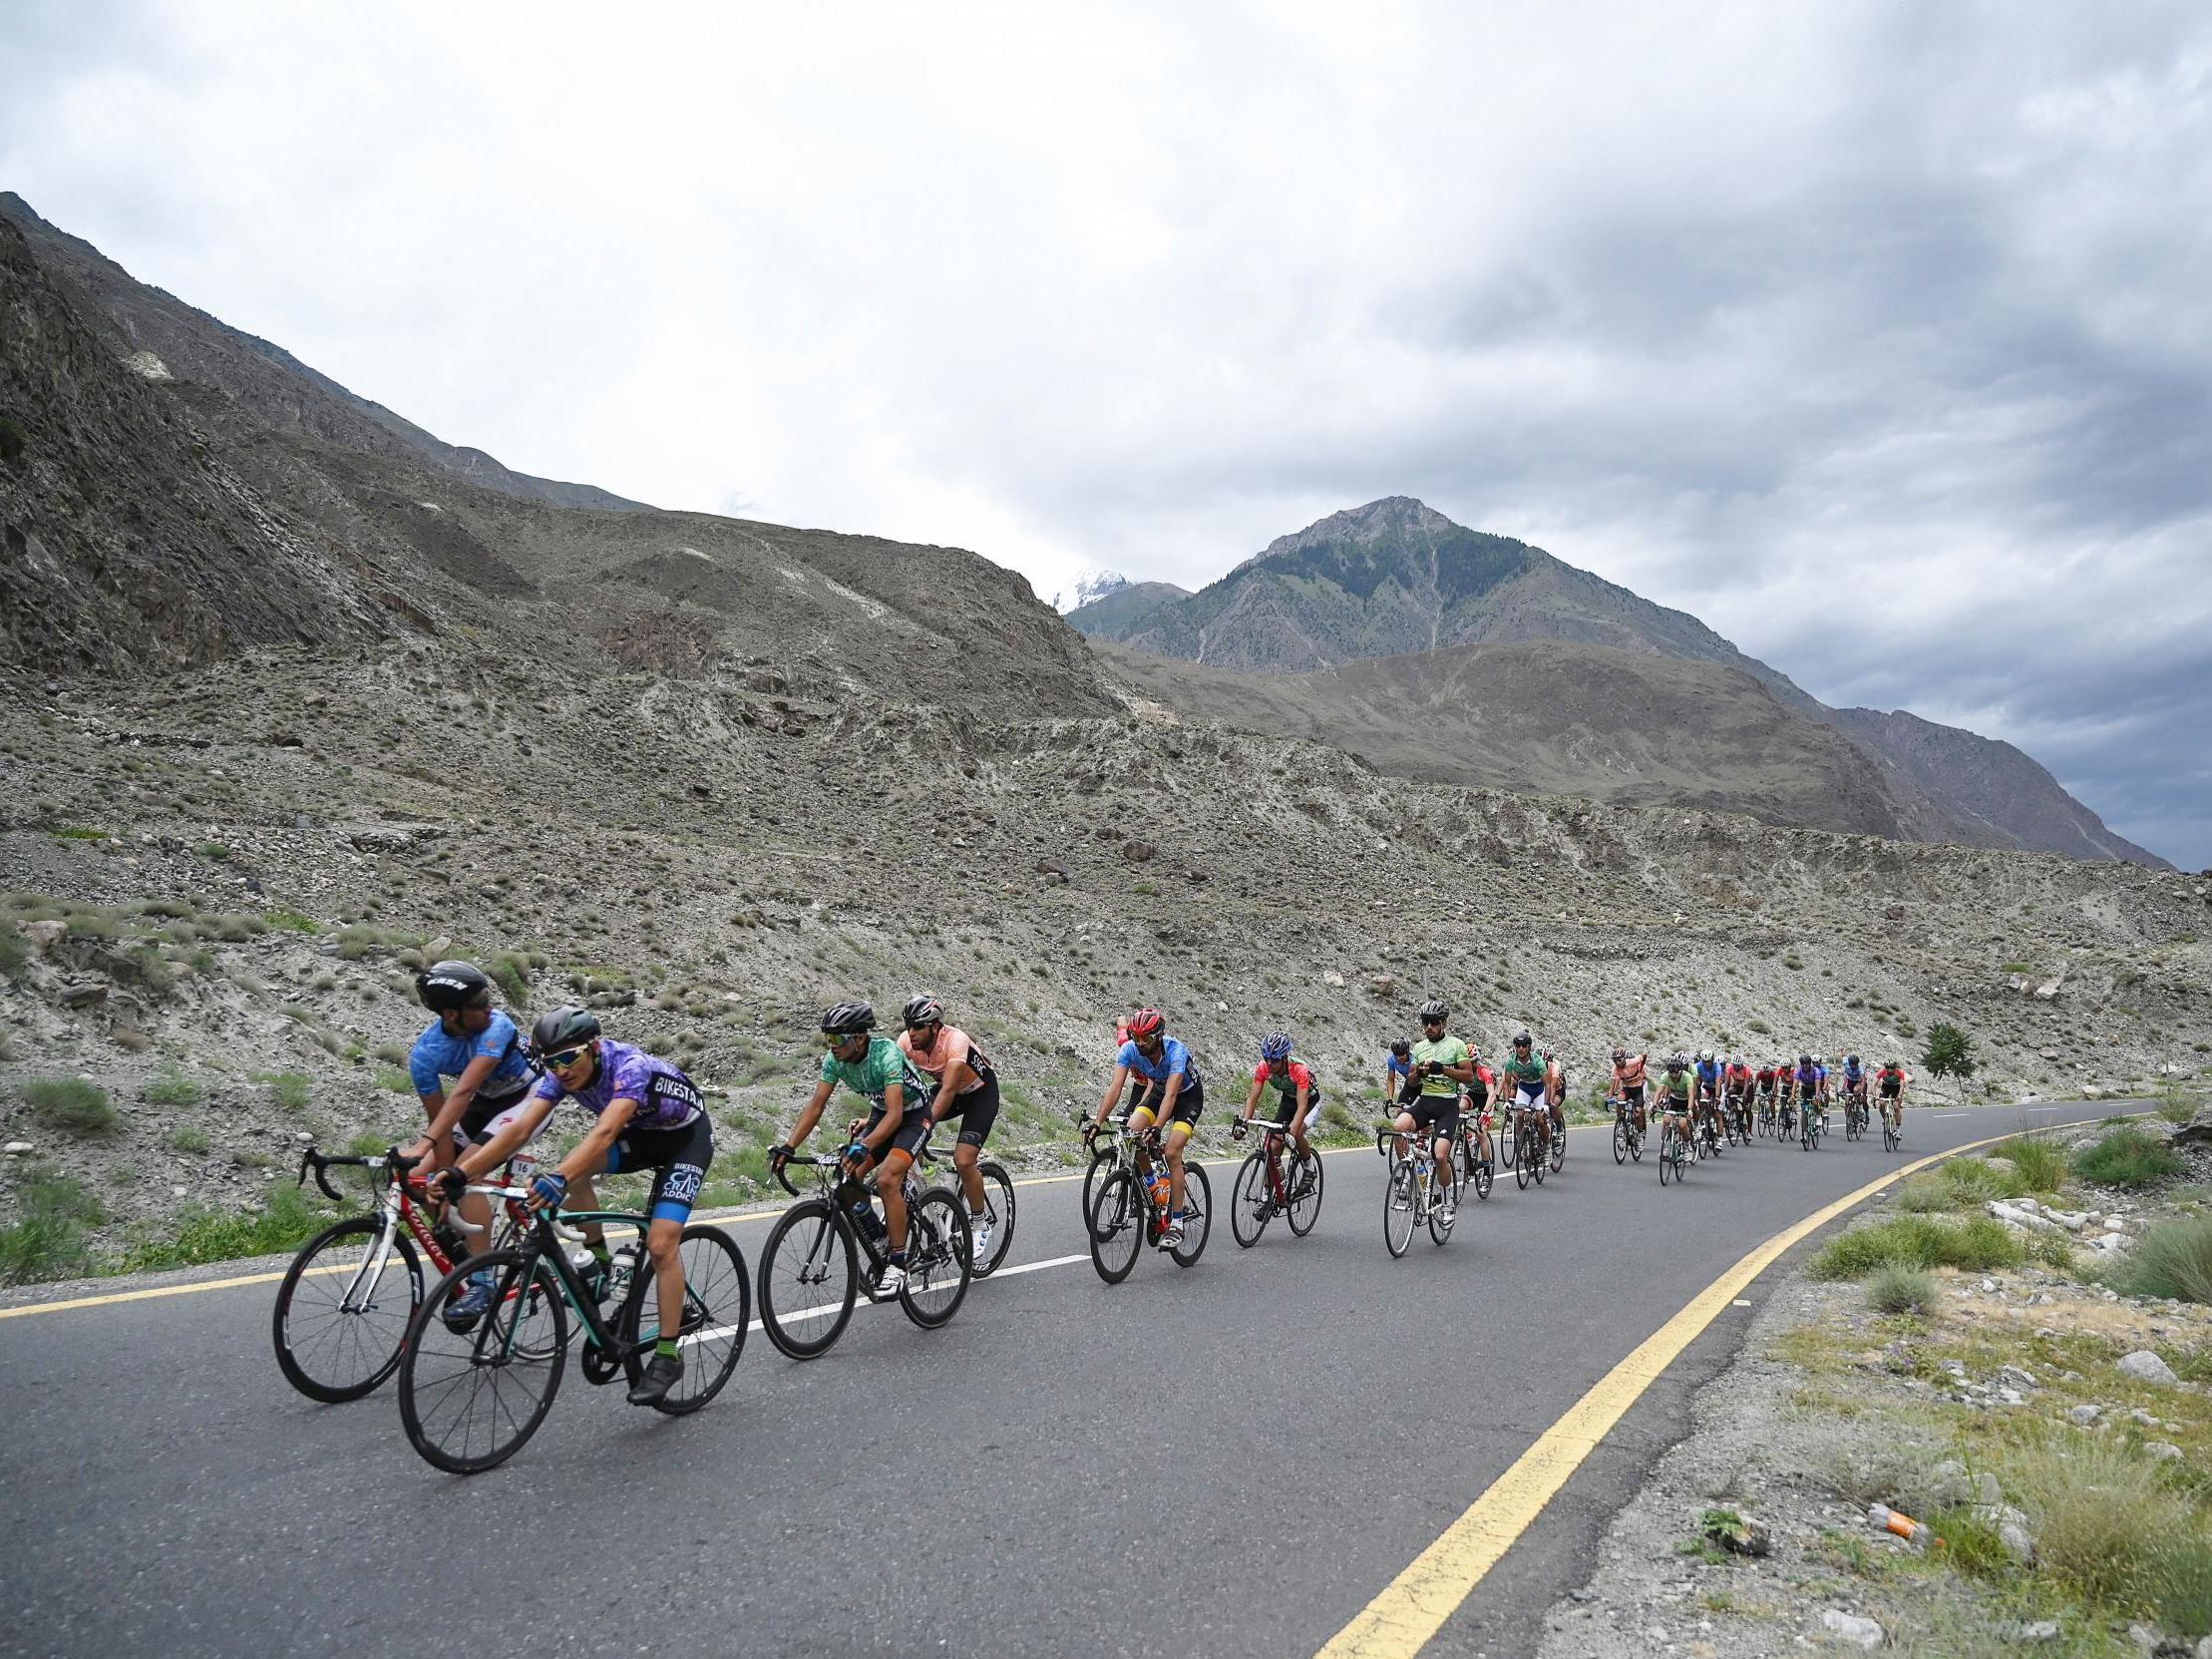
[[1401, 1048], [1804, 1059], [451, 985], [1434, 1009], [850, 1020], [1851, 1060], [920, 1010], [564, 1028], [1524, 1040]]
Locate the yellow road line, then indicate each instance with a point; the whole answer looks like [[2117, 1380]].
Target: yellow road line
[[1414, 1606]]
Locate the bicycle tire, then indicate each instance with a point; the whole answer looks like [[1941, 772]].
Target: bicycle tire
[[712, 1331], [436, 1360], [1666, 1155], [1198, 1213], [1559, 1148], [1248, 1200], [311, 1358], [1620, 1141], [1439, 1223], [1540, 1157], [1307, 1178], [1117, 1225], [998, 1210], [825, 1246], [1102, 1159], [938, 1260], [1402, 1206], [1524, 1170]]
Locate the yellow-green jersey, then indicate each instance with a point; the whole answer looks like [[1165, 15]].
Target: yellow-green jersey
[[1448, 1051]]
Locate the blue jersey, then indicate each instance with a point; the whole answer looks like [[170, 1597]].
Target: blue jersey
[[1174, 1059], [1399, 1067], [667, 1098], [1852, 1075], [436, 1057], [1708, 1072]]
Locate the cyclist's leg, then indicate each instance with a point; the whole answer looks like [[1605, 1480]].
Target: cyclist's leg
[[1179, 1130], [977, 1112]]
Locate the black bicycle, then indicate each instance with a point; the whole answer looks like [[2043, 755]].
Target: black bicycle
[[1472, 1163], [998, 1204], [1628, 1139], [471, 1397], [810, 1273], [1131, 1209]]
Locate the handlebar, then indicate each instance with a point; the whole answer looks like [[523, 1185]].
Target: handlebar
[[316, 1162]]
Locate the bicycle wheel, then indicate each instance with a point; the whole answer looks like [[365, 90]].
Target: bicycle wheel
[[1248, 1200], [717, 1308], [1305, 1194], [1197, 1206], [1101, 1161], [1401, 1209], [1667, 1137], [808, 1280], [1540, 1155], [470, 1399], [341, 1315], [1482, 1173], [1439, 1221], [998, 1212], [1524, 1162], [1117, 1226], [938, 1266], [1559, 1148], [1621, 1140]]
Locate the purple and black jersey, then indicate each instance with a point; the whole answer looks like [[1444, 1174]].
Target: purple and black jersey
[[667, 1098]]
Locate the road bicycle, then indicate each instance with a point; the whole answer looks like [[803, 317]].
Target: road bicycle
[[1472, 1163], [810, 1272], [1414, 1194], [1628, 1139], [1675, 1151], [471, 1398], [1740, 1119], [1854, 1117], [1767, 1115], [1531, 1137], [1102, 1156], [1892, 1128], [1265, 1190], [1131, 1208], [344, 1305], [1785, 1122], [1812, 1124], [999, 1200], [1704, 1130]]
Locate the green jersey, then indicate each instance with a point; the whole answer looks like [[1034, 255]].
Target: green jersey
[[1513, 1070], [1676, 1084], [885, 1064], [1450, 1050]]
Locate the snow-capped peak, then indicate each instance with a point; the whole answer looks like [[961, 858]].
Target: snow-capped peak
[[1085, 587]]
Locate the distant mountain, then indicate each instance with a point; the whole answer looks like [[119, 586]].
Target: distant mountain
[[1396, 577], [1126, 606], [1086, 586], [180, 342]]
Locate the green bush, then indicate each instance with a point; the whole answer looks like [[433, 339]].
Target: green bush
[[1950, 1050], [15, 952], [2173, 1260], [191, 1141], [2181, 1584], [173, 1088], [1917, 1241], [72, 1104], [291, 921], [2041, 1166], [1927, 1194], [1974, 1181], [289, 1088], [512, 975], [48, 1241], [1898, 1289], [286, 1221], [2102, 1518], [2128, 1157]]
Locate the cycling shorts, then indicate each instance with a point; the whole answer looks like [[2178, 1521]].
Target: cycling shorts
[[913, 1129], [978, 1111], [1633, 1094], [1188, 1105], [1435, 1111], [1287, 1107], [1528, 1095], [1889, 1091], [678, 1158], [483, 1118]]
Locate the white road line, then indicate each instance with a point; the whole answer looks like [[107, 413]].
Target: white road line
[[824, 1313]]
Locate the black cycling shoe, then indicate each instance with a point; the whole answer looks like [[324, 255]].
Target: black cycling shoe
[[662, 1372]]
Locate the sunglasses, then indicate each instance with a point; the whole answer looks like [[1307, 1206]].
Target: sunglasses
[[838, 1040], [565, 1058]]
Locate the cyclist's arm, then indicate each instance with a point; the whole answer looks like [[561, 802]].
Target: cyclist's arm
[[1113, 1093], [510, 1138], [589, 1153], [446, 1110], [1463, 1072], [1252, 1098], [811, 1114], [958, 1075]]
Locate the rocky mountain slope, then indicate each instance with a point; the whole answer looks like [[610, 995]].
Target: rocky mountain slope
[[1395, 577], [280, 717]]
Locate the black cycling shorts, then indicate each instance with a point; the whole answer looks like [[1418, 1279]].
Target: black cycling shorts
[[474, 1129], [1633, 1094], [1187, 1104], [679, 1158], [978, 1111], [1435, 1111], [913, 1127], [1889, 1091]]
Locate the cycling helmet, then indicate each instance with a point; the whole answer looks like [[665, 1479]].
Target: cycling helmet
[[1146, 1022], [1401, 1048], [923, 1010], [1851, 1060], [564, 1028], [1274, 1046], [849, 1019], [1677, 1061], [451, 985], [1620, 1056], [1524, 1040], [1435, 1010], [1804, 1059]]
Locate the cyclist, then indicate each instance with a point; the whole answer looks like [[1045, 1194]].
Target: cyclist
[[646, 1114], [1854, 1085], [1525, 1078], [1442, 1066], [1678, 1089], [1297, 1092], [1709, 1090], [1890, 1084], [478, 1048], [1171, 1092], [1397, 1067], [1480, 1092], [1555, 1091], [880, 1071], [1740, 1095], [1764, 1083], [1820, 1071], [1809, 1081], [1628, 1082], [963, 1085]]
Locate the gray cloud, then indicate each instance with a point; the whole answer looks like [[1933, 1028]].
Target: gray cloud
[[1875, 336]]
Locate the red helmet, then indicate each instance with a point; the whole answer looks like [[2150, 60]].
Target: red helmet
[[1146, 1022]]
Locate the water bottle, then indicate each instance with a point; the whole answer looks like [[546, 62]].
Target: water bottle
[[580, 1258], [625, 1266], [868, 1221], [1156, 1185], [1890, 1521]]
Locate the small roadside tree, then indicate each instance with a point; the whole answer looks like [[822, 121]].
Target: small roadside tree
[[1950, 1052]]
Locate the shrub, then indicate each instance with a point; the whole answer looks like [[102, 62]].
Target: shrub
[[70, 1103], [2128, 1157], [2181, 1580], [291, 921], [1919, 1241], [1898, 1289], [289, 1088], [1926, 1193], [173, 1088], [48, 1241], [512, 975], [80, 832], [2101, 1516], [15, 952], [2173, 1260], [191, 1141], [212, 849], [1975, 1181], [1950, 1050], [2040, 1164], [286, 1221]]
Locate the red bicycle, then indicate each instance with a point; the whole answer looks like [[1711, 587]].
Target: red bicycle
[[1269, 1185]]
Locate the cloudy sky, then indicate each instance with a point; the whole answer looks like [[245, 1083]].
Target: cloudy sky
[[1877, 336]]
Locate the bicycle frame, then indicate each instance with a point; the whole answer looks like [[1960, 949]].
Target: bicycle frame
[[547, 1240]]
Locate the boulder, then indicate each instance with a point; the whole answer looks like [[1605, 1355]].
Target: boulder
[[1852, 1627], [2146, 1366]]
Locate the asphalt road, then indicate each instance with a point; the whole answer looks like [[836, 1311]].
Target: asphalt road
[[1228, 1460]]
